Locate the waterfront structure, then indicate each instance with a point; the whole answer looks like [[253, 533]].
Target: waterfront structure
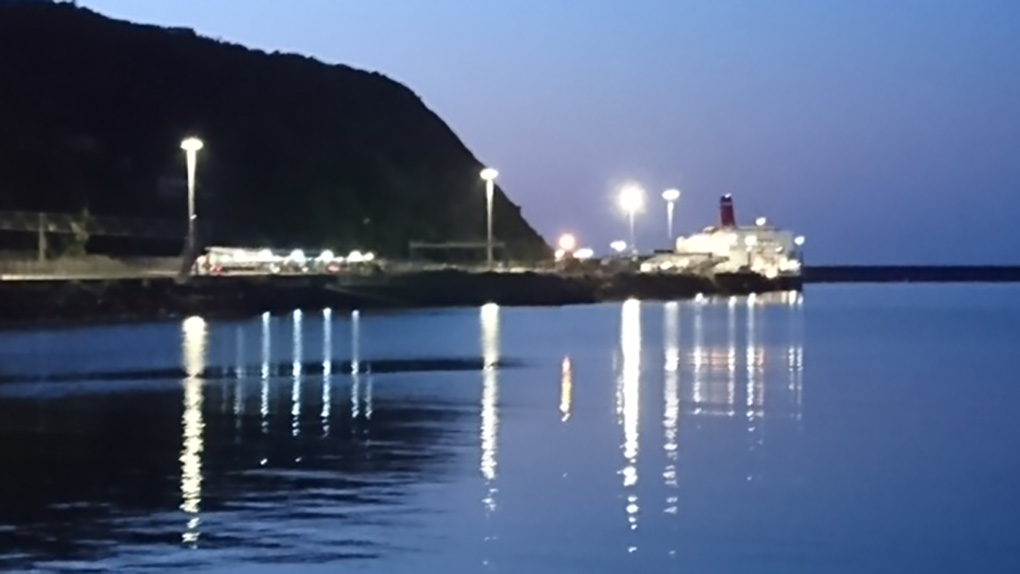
[[731, 248]]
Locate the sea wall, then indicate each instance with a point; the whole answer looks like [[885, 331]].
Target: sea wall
[[61, 302]]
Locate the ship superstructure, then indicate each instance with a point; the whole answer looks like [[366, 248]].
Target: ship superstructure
[[730, 248]]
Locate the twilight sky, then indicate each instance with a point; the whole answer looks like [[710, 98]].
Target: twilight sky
[[885, 131]]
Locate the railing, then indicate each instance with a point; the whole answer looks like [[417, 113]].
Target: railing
[[89, 267]]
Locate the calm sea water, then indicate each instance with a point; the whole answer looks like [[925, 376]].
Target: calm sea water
[[855, 429]]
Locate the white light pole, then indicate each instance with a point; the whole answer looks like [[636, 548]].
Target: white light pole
[[489, 175], [191, 147], [671, 196], [632, 199]]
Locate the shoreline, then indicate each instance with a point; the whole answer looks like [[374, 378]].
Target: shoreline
[[33, 304]]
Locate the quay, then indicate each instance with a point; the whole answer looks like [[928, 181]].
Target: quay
[[155, 291], [69, 300]]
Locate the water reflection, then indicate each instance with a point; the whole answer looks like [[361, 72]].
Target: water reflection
[[629, 382], [296, 480], [355, 341], [194, 344], [489, 317], [720, 368], [566, 389], [298, 361], [240, 372], [264, 378], [671, 399], [327, 369]]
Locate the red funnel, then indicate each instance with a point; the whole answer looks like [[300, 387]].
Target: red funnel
[[727, 218]]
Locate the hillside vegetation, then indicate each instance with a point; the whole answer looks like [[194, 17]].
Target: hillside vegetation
[[297, 152]]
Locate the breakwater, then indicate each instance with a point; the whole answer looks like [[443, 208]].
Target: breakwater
[[912, 274], [60, 302]]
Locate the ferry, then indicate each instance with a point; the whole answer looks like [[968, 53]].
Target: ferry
[[728, 249]]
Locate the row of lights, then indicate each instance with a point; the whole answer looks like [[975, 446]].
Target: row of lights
[[328, 256], [631, 199]]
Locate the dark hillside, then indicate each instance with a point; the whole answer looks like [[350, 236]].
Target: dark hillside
[[92, 112]]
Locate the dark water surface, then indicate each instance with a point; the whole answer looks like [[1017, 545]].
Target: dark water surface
[[859, 429]]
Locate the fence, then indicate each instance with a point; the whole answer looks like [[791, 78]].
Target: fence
[[89, 267]]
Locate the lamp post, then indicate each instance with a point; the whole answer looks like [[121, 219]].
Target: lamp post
[[632, 199], [191, 147], [671, 196], [489, 175]]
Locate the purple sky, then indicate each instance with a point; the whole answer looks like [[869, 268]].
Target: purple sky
[[885, 131]]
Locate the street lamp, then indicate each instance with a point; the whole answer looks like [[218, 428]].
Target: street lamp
[[618, 246], [671, 196], [489, 175], [632, 199], [567, 242], [191, 147]]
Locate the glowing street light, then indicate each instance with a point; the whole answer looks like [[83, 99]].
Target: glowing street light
[[632, 200], [489, 175], [191, 147], [618, 246], [799, 240], [671, 196], [567, 242]]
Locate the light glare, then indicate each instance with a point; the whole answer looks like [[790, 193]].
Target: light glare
[[632, 198]]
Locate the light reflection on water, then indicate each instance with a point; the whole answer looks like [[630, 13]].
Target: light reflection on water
[[195, 334], [688, 451], [489, 315], [671, 400], [630, 385]]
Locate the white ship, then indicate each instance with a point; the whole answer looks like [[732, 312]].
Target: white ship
[[760, 249]]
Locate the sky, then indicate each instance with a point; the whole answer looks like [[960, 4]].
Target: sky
[[883, 131]]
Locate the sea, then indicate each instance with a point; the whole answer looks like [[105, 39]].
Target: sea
[[843, 429]]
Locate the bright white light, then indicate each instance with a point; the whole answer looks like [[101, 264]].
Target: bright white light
[[355, 257], [265, 255], [618, 246], [771, 273], [560, 254], [326, 255], [489, 174], [584, 253], [751, 240], [368, 257], [761, 221], [632, 198], [671, 194], [567, 242], [799, 240], [297, 255], [192, 145]]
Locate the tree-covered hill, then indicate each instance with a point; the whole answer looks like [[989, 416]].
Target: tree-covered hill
[[297, 152]]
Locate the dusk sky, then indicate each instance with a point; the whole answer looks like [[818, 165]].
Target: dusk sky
[[884, 131]]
